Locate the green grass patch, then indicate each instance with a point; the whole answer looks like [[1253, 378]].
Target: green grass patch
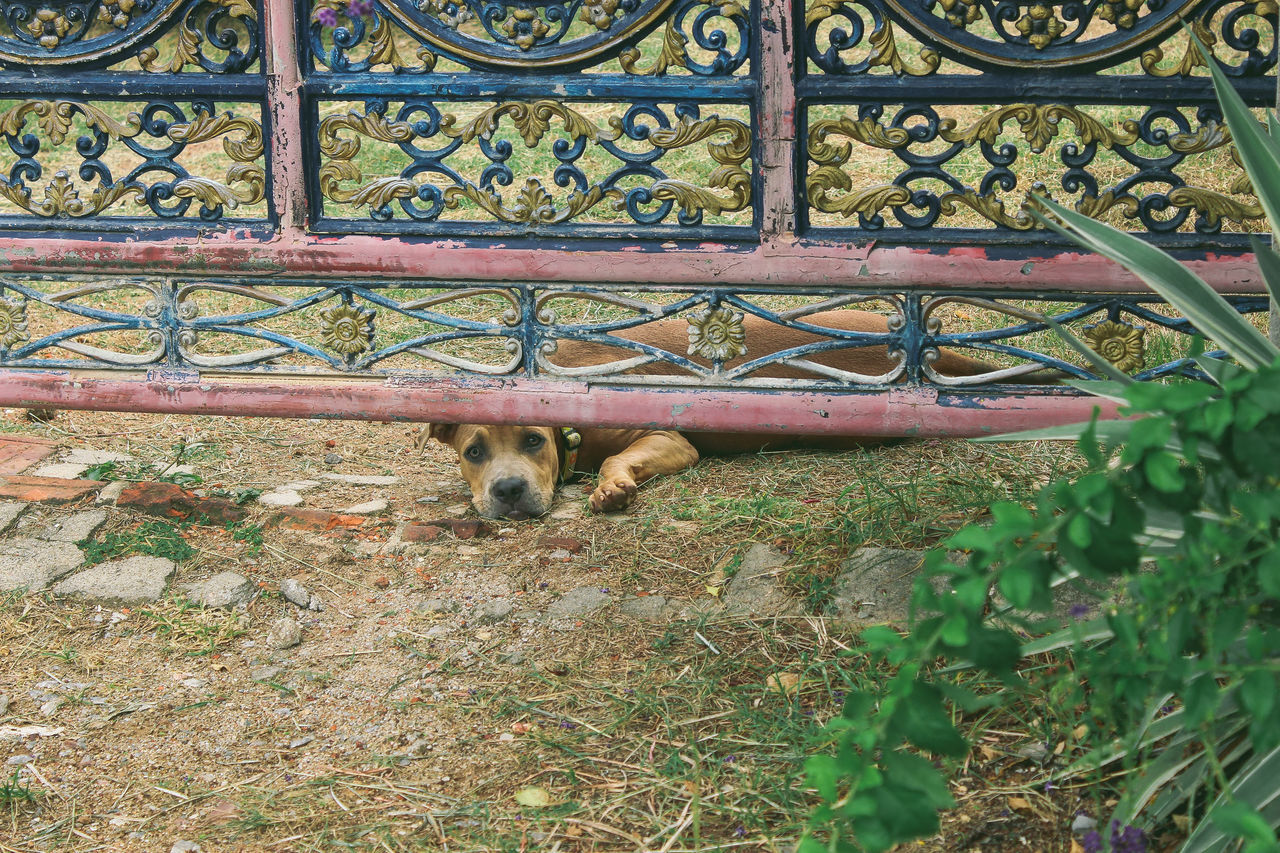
[[150, 538]]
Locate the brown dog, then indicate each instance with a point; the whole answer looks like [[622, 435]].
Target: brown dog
[[513, 470]]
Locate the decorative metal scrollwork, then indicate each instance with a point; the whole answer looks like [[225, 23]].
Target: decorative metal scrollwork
[[1074, 35], [704, 37], [215, 35], [158, 134], [1152, 147], [429, 185]]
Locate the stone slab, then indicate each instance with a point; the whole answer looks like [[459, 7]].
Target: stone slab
[[9, 512], [33, 564], [133, 580], [225, 590], [61, 470], [578, 602], [754, 589], [73, 528]]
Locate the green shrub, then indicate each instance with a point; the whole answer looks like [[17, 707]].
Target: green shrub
[[1179, 512]]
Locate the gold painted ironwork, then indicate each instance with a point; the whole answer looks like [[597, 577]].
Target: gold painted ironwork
[[728, 187], [883, 40], [1119, 343], [717, 334], [13, 322], [347, 329], [1040, 26], [524, 28], [244, 181], [830, 189]]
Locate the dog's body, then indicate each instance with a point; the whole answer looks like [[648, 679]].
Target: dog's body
[[513, 470]]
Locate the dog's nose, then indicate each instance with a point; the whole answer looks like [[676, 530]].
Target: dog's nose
[[508, 490]]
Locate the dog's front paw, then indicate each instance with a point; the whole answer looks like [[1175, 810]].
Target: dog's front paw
[[613, 494]]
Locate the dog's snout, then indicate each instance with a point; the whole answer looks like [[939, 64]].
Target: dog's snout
[[508, 489]]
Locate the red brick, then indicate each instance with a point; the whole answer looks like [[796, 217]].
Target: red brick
[[49, 490], [573, 546], [294, 518], [169, 500], [421, 532], [19, 452]]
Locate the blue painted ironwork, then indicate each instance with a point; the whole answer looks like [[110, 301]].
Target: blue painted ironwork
[[505, 329]]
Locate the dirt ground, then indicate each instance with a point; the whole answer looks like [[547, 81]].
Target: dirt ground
[[437, 701]]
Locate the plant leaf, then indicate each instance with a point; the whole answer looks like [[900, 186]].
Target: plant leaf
[[1180, 287]]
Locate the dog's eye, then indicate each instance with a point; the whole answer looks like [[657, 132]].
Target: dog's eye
[[474, 453], [533, 441]]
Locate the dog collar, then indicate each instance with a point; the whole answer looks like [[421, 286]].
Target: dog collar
[[572, 441]]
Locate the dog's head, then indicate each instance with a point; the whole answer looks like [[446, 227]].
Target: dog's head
[[512, 470]]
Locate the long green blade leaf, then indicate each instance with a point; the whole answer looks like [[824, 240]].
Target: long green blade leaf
[[1180, 287]]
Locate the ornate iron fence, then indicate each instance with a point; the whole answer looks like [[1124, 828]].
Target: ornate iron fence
[[400, 208]]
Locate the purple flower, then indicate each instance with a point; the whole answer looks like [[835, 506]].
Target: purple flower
[[741, 831], [326, 17], [359, 8], [1079, 611], [1129, 840], [1092, 842], [567, 724]]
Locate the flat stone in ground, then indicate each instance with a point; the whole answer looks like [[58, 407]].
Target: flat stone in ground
[[299, 485], [133, 580], [580, 601], [361, 479], [494, 611], [33, 564], [225, 590], [86, 457], [650, 608], [754, 589], [49, 490], [367, 508], [73, 528], [280, 497], [875, 584], [9, 512], [61, 470]]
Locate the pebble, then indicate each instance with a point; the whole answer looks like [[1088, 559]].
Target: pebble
[[1082, 824], [295, 593], [457, 509], [19, 760], [437, 605], [333, 459], [4, 704], [429, 499], [284, 633], [225, 589], [186, 847], [298, 743], [48, 709]]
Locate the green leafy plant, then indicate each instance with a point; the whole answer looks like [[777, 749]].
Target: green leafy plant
[[1176, 522]]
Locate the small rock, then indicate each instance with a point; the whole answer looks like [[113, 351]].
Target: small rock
[[132, 580], [420, 747], [563, 543], [299, 742], [362, 479], [1035, 752], [186, 847], [284, 633], [194, 683], [367, 508], [299, 485], [438, 605], [650, 608], [493, 611], [457, 509], [225, 590], [4, 704], [110, 493], [581, 601], [333, 459], [19, 760], [294, 592], [265, 673], [280, 497], [48, 709], [429, 499], [512, 658], [1082, 824], [382, 582]]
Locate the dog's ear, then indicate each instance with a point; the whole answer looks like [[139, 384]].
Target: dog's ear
[[443, 433]]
